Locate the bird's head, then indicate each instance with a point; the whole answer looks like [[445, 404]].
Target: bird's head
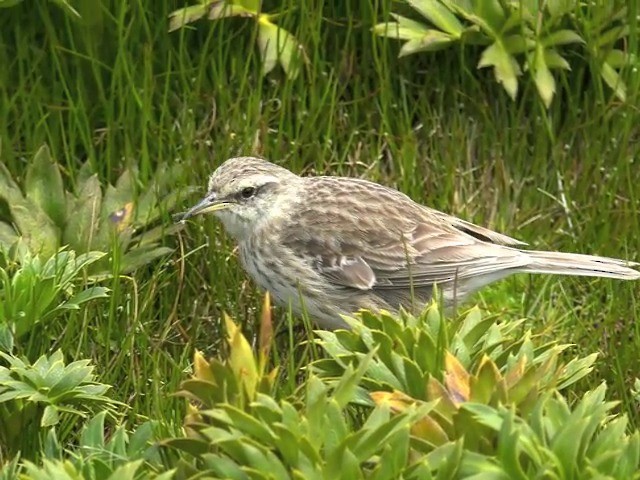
[[242, 192]]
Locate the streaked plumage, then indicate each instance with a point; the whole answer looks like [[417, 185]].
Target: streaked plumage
[[332, 245]]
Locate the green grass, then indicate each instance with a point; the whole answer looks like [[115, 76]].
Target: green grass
[[121, 90]]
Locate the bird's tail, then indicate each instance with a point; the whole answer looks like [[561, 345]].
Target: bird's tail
[[559, 263]]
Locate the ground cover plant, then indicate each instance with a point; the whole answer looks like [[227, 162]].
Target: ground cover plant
[[114, 113]]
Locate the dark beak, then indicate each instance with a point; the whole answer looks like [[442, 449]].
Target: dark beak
[[208, 204]]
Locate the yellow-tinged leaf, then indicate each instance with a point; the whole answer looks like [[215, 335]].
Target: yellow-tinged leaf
[[266, 330], [499, 395], [278, 45], [456, 379], [485, 381], [515, 373], [436, 391], [396, 400], [268, 43], [241, 358], [530, 379], [428, 429], [201, 368], [225, 9]]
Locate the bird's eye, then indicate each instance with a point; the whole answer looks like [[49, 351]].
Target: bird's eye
[[248, 192]]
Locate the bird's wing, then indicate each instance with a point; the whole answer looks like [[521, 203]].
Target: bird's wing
[[366, 236]]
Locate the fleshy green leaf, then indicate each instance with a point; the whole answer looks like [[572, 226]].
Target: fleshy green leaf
[[438, 15], [50, 416], [430, 42], [278, 45], [84, 217], [561, 37], [613, 79], [545, 83], [506, 68], [402, 29]]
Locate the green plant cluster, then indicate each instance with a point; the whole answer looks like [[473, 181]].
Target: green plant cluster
[[113, 219], [456, 398], [523, 36]]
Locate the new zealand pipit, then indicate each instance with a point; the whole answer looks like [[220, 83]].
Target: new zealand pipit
[[332, 245]]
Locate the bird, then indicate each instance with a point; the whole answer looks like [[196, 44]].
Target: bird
[[329, 246]]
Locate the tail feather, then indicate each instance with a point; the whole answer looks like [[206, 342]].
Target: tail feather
[[559, 263]]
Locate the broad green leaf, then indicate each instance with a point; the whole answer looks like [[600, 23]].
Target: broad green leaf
[[431, 42], [9, 189], [394, 457], [127, 471], [506, 68], [141, 438], [554, 60], [402, 29], [86, 296], [6, 337], [36, 228], [561, 37], [491, 12], [345, 389], [484, 414], [50, 416], [93, 433], [618, 58], [508, 451], [438, 15], [278, 45], [84, 217], [518, 43], [576, 369], [249, 425], [568, 443], [558, 8], [224, 467], [611, 36], [225, 9], [545, 83], [613, 79], [43, 186]]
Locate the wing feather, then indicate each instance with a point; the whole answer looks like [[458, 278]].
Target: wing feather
[[385, 241]]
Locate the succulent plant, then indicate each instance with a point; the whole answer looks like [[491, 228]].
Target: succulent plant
[[46, 217]]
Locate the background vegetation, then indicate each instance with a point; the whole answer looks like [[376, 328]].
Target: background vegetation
[[113, 92]]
